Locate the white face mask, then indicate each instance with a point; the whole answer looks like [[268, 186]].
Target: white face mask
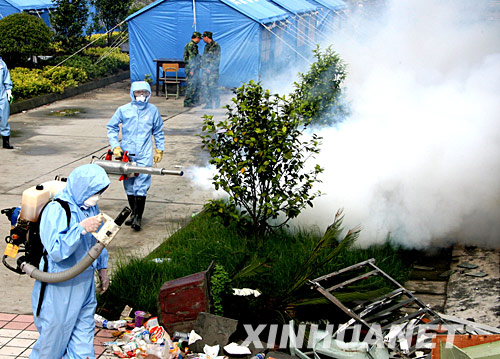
[[141, 98], [92, 201]]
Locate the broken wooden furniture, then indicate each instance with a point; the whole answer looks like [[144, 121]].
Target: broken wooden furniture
[[182, 299]]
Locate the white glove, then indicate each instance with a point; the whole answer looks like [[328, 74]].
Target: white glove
[[103, 276], [91, 224], [9, 94]]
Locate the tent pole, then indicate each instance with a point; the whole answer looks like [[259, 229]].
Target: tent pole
[[194, 14]]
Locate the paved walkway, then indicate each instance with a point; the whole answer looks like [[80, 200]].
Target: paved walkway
[[18, 334]]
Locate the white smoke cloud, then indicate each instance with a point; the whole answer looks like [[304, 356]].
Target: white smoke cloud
[[420, 155]]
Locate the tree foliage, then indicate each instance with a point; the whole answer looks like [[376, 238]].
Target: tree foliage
[[318, 93], [22, 36], [261, 157], [110, 13], [69, 19]]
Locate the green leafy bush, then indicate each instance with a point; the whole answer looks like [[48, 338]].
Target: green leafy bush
[[260, 156], [29, 83], [22, 36], [318, 96]]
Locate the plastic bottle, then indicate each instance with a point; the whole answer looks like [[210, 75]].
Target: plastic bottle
[[115, 324], [104, 323], [32, 202], [259, 356]]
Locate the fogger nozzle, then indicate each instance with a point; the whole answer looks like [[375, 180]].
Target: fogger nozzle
[[122, 216], [127, 168]]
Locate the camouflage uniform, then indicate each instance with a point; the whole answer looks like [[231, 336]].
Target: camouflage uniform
[[192, 63], [210, 79]]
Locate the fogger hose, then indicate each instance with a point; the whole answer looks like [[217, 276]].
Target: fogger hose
[[69, 273]]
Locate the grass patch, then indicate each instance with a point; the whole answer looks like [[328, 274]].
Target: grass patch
[[273, 269]]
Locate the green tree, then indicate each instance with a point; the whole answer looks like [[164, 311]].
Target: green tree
[[318, 95], [110, 13], [22, 36], [261, 157], [69, 20]]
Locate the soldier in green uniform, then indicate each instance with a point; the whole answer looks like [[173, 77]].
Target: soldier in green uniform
[[192, 68], [210, 71]]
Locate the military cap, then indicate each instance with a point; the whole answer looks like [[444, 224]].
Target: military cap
[[196, 34], [207, 33]]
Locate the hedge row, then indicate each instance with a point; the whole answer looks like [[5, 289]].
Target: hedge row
[[94, 63]]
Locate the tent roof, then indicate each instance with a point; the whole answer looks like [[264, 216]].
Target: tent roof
[[261, 11], [296, 6], [31, 4], [332, 4]]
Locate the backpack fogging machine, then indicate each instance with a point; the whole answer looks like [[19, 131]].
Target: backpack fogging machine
[[24, 234], [125, 168]]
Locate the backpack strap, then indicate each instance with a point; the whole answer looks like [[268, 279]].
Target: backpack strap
[[64, 205]]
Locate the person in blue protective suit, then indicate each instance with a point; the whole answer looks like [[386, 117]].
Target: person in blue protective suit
[[66, 317], [5, 98], [140, 122]]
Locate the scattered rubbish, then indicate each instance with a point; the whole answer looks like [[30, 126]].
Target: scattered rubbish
[[139, 318], [211, 351], [466, 347], [419, 267], [126, 312], [393, 315], [104, 323], [447, 273], [236, 349], [193, 337], [467, 265], [476, 274], [161, 260], [246, 292]]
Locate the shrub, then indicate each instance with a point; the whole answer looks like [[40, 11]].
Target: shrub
[[29, 83], [101, 40], [22, 36], [318, 93], [260, 157]]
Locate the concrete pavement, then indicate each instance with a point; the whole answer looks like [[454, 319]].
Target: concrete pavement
[[49, 144]]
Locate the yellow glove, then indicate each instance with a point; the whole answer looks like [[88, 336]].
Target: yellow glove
[[158, 156], [117, 152]]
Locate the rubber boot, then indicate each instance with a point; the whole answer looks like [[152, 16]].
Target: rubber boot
[[131, 202], [6, 143], [140, 202]]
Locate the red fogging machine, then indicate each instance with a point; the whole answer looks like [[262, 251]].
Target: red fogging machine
[[125, 168]]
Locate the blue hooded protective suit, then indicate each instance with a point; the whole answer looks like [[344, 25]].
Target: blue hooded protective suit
[[5, 84], [66, 320], [140, 121]]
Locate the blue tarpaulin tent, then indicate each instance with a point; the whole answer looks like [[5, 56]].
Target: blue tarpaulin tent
[[302, 24], [242, 28], [329, 18], [39, 8]]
